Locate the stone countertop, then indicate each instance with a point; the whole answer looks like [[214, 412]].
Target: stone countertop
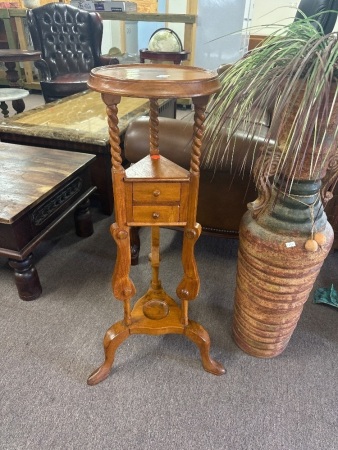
[[79, 118]]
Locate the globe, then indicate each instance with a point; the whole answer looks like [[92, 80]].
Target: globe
[[164, 41]]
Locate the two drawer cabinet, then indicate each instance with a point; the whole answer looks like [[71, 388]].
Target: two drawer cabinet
[[156, 193]]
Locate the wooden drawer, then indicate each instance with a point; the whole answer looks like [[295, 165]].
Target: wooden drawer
[[154, 214], [156, 192], [156, 202]]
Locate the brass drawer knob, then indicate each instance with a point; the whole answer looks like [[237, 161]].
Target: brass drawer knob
[[156, 193], [156, 215]]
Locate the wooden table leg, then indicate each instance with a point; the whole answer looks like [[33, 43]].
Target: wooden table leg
[[26, 278], [4, 109], [13, 81], [83, 219], [18, 105]]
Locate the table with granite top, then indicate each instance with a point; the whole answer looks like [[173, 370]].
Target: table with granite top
[[10, 57], [79, 123]]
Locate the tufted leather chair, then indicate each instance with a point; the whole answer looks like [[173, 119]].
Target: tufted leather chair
[[224, 191], [70, 42], [327, 20]]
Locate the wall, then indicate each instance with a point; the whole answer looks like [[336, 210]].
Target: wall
[[177, 7], [146, 29], [279, 12], [219, 38], [146, 6]]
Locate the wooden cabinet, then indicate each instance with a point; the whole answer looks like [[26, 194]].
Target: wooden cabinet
[[162, 200]]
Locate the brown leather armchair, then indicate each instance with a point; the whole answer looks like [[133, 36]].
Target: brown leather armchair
[[223, 193], [70, 42]]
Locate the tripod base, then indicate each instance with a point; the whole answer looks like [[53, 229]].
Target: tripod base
[[157, 314]]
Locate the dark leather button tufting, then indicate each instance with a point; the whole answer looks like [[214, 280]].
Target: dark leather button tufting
[[47, 18], [66, 32]]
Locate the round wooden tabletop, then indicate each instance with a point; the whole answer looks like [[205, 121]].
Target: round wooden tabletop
[[154, 80]]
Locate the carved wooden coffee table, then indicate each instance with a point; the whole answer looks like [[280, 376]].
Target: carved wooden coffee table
[[39, 187], [154, 192]]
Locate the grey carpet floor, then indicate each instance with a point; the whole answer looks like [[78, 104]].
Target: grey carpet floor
[[157, 396]]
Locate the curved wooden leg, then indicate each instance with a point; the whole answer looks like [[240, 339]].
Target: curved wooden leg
[[188, 288], [114, 337], [26, 278], [197, 334]]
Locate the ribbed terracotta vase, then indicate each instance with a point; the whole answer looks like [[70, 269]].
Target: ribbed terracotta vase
[[284, 240], [275, 272]]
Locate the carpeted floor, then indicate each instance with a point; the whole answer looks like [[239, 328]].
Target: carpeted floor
[[157, 396]]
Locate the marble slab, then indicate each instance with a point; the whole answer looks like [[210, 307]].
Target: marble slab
[[79, 118]]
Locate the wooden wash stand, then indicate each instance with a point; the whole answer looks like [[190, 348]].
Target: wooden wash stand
[[154, 192]]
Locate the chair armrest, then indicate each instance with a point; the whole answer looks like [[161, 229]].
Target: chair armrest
[[43, 69], [223, 68]]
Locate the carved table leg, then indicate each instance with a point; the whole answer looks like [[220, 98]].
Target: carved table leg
[[12, 76], [18, 105], [4, 109], [124, 290], [26, 278], [83, 219], [188, 288]]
